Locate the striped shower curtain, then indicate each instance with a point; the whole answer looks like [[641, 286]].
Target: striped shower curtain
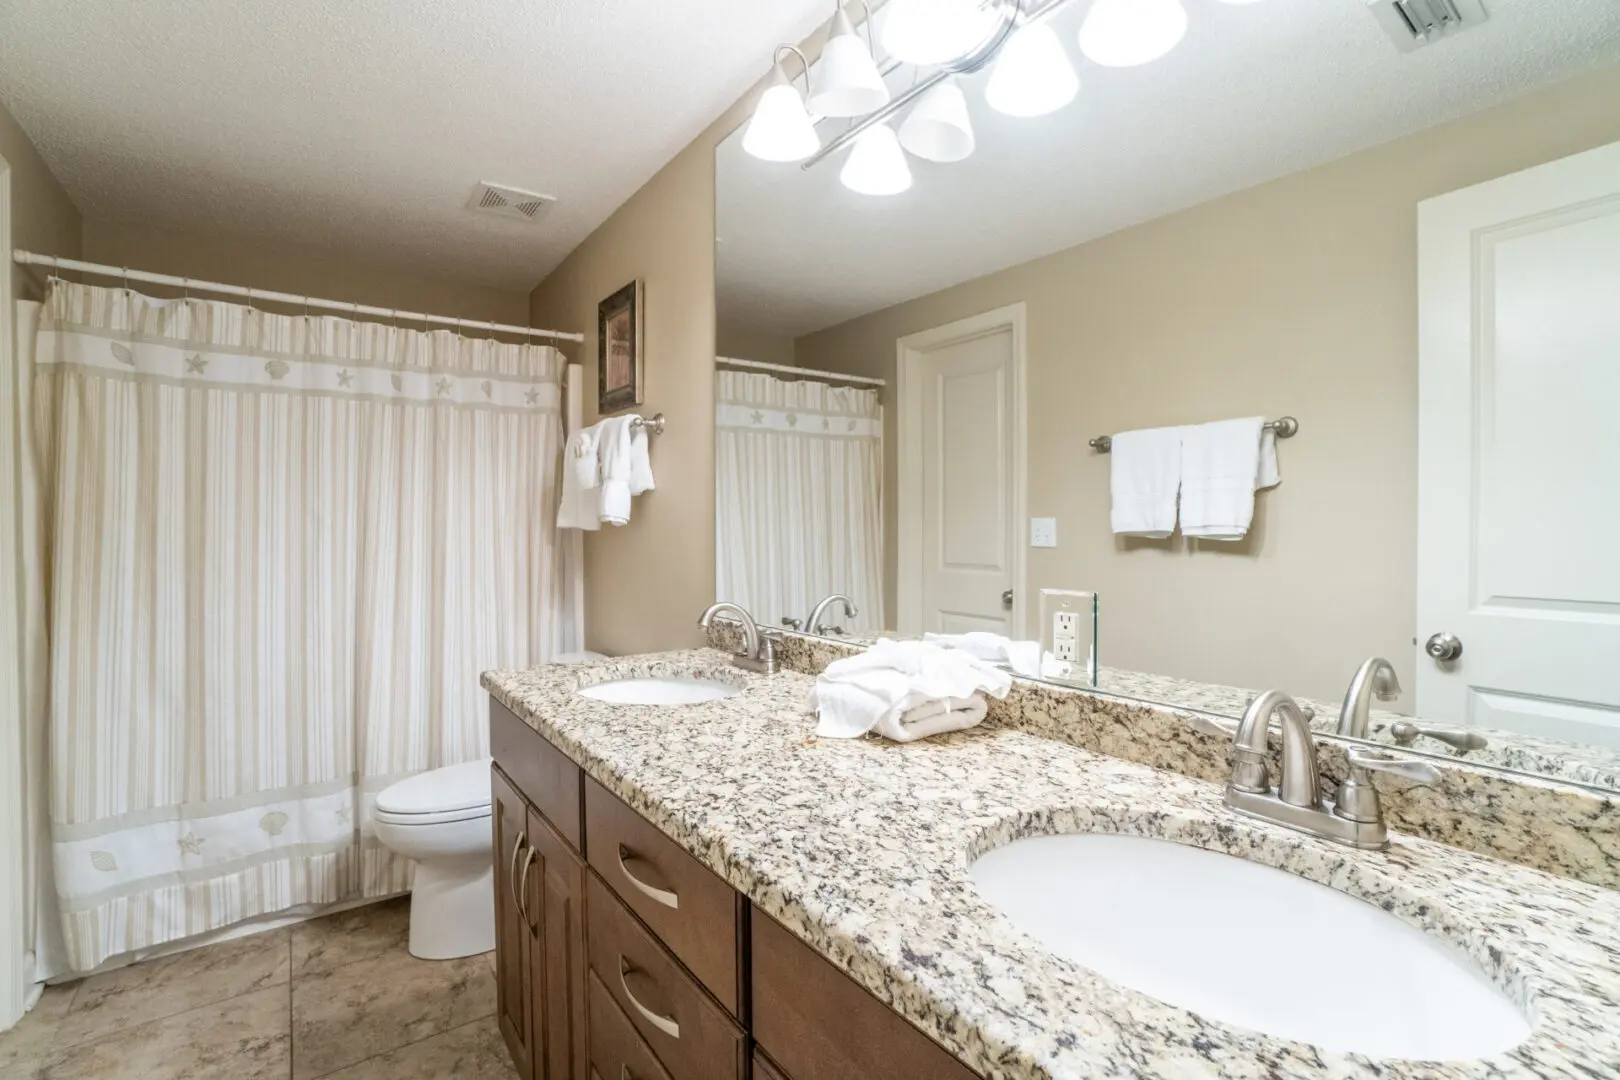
[[281, 549]]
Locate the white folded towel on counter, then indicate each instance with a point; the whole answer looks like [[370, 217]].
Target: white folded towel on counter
[[877, 689], [1222, 465], [1024, 657], [1144, 472]]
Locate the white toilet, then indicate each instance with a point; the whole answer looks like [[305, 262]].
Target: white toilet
[[440, 818]]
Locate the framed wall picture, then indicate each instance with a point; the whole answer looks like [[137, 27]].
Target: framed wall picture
[[618, 350]]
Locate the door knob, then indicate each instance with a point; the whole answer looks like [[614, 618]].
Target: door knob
[[1443, 647], [1006, 599]]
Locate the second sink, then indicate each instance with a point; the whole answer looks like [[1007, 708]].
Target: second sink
[[1249, 945], [666, 690]]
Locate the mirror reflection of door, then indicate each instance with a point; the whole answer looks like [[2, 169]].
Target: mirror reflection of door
[[961, 484], [1519, 501]]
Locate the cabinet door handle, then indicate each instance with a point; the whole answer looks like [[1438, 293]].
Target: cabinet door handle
[[663, 896], [523, 887], [625, 1073], [512, 874], [663, 1023]]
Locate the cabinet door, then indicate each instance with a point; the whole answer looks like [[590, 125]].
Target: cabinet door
[[513, 980], [556, 912]]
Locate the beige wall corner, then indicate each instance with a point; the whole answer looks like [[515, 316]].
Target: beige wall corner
[[43, 218], [294, 268], [1298, 296]]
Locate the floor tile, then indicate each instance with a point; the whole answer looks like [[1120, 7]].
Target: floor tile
[[174, 984], [36, 1033], [371, 1007], [472, 1052], [244, 1038], [357, 934]]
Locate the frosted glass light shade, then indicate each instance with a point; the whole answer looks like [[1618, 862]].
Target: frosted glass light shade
[[1032, 76], [848, 83], [932, 32], [780, 129], [938, 128], [876, 164], [1124, 33]]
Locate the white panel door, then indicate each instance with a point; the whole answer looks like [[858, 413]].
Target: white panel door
[[1519, 451], [965, 438]]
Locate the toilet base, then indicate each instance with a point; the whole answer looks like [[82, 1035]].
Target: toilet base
[[453, 907]]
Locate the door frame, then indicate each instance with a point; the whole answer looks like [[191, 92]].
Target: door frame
[[910, 355]]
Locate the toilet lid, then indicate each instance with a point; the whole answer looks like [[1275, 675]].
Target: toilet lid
[[455, 787]]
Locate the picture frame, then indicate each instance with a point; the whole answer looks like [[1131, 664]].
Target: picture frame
[[619, 357]]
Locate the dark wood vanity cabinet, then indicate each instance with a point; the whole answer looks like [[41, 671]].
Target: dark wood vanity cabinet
[[619, 956]]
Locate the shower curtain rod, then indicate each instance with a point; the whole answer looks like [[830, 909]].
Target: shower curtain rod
[[830, 376], [29, 258]]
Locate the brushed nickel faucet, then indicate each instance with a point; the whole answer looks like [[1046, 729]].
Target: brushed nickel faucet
[[759, 647], [1374, 678], [1405, 733], [1356, 819], [814, 625]]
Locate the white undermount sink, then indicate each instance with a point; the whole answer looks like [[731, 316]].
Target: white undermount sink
[[1249, 945], [663, 690]]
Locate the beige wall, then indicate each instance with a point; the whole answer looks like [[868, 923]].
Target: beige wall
[[294, 269], [43, 218], [647, 582], [1298, 296], [742, 344]]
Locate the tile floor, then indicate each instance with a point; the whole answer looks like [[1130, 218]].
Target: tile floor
[[338, 998]]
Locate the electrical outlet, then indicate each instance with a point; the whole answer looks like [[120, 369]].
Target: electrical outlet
[[1066, 636], [1043, 532]]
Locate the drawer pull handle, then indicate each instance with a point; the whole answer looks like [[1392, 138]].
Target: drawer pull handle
[[663, 896], [663, 1023], [523, 887], [625, 1073], [512, 874]]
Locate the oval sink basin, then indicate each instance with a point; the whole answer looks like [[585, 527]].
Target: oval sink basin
[[659, 691], [1249, 945]]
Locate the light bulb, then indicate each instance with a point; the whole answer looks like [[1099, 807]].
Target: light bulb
[[932, 32], [876, 165], [938, 128], [848, 80], [1032, 75], [780, 129], [1124, 33]]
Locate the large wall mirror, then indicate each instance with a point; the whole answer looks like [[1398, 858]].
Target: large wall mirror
[[1280, 402]]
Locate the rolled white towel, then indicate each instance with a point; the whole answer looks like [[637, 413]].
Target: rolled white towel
[[877, 688], [934, 718]]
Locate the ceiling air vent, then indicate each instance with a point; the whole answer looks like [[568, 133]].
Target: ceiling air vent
[[1412, 24], [509, 202]]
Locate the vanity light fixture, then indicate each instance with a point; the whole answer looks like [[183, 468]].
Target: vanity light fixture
[[1032, 76], [781, 129], [848, 78], [938, 128], [876, 165], [1125, 33]]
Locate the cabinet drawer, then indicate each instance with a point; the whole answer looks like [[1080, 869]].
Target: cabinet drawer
[[617, 1052], [542, 773], [817, 1023], [689, 907], [691, 1035]]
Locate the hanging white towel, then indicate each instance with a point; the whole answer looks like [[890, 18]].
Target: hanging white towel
[[578, 508], [614, 449], [1222, 465], [878, 688], [1024, 657], [1143, 475]]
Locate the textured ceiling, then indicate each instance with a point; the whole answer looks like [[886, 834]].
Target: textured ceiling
[[361, 126], [1254, 92]]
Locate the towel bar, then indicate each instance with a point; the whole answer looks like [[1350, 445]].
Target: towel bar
[[1286, 428], [654, 425]]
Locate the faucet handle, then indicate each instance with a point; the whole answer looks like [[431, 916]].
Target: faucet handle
[[1419, 772]]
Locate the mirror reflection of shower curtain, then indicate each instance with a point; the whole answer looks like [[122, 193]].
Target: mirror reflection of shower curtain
[[798, 497]]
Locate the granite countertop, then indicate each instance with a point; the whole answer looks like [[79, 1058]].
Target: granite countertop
[[862, 847]]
